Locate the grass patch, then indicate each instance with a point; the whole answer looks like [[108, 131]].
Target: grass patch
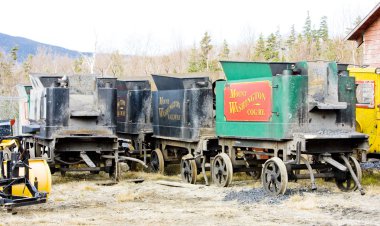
[[148, 176], [371, 177], [127, 197], [90, 188], [78, 176], [172, 169], [242, 176]]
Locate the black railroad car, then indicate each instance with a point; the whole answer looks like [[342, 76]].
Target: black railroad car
[[72, 121], [183, 124], [134, 118]]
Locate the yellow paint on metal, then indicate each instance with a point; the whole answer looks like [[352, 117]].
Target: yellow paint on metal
[[6, 143], [40, 171], [368, 115]]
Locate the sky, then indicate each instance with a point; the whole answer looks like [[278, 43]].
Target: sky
[[160, 26]]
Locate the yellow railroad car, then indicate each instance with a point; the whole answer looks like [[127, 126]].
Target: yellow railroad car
[[368, 106]]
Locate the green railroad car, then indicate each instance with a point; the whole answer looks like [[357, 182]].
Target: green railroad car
[[287, 121]]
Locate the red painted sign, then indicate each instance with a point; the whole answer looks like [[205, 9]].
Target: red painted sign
[[249, 101]]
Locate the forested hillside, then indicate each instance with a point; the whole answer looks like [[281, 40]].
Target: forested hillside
[[313, 42]]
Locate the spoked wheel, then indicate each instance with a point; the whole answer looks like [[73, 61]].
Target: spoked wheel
[[157, 161], [274, 176], [347, 183], [188, 169], [222, 170]]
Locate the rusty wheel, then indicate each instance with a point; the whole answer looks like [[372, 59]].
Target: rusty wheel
[[222, 170], [347, 183], [188, 169], [157, 161], [274, 176]]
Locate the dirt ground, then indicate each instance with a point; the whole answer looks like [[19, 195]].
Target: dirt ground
[[85, 200]]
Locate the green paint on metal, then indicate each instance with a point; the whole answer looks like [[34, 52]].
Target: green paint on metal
[[245, 70], [290, 100], [333, 67], [346, 90], [288, 106]]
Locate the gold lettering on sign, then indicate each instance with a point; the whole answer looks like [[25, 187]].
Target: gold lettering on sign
[[236, 107], [121, 109], [163, 101], [237, 93], [164, 112]]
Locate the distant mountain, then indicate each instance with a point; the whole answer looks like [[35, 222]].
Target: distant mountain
[[28, 47]]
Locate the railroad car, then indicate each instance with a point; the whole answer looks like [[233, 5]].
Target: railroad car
[[134, 118], [367, 106], [72, 122], [183, 124], [287, 118], [280, 121]]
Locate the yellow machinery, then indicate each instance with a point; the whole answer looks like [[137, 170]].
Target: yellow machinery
[[23, 181], [368, 105]]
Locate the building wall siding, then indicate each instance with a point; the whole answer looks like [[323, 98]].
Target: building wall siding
[[371, 55]]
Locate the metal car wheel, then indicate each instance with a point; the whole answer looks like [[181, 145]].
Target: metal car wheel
[[222, 170], [188, 169], [347, 183], [157, 161], [274, 176]]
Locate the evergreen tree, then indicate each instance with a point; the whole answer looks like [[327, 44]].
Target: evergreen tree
[[260, 48], [323, 29], [292, 37], [271, 52], [316, 44], [307, 32], [205, 50], [193, 61], [225, 51], [279, 44]]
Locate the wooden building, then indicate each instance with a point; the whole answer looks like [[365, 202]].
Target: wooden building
[[367, 33]]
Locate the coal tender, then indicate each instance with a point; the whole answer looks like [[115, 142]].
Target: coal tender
[[183, 124], [134, 118], [72, 123], [288, 121]]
